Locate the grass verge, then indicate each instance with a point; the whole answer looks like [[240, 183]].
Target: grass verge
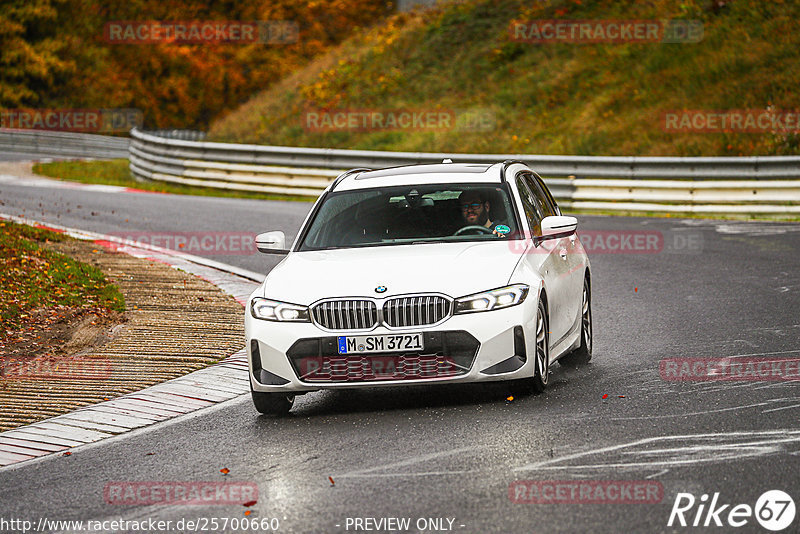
[[38, 285], [541, 98]]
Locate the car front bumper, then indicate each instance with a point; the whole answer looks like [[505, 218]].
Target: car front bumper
[[476, 347]]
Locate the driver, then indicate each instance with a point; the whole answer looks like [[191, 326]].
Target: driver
[[475, 211]]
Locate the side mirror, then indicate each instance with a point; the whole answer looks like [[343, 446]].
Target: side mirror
[[557, 226], [272, 243]]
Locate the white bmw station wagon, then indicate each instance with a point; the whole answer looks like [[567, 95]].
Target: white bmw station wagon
[[422, 274]]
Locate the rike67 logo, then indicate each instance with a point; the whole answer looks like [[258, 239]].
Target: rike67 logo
[[774, 510]]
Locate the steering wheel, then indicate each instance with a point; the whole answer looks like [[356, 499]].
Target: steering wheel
[[466, 229]]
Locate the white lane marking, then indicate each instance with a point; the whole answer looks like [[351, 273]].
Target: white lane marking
[[410, 461], [654, 475], [745, 342], [689, 414], [756, 229], [777, 385], [712, 448], [795, 351], [750, 228], [782, 408], [694, 388], [416, 474], [713, 386]]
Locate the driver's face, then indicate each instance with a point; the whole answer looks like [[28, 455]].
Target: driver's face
[[473, 210]]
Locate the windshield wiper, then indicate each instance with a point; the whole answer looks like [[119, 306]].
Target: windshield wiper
[[433, 240]]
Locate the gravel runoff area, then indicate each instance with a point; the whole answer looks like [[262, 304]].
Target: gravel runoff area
[[176, 323]]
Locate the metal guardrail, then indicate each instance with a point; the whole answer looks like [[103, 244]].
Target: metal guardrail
[[186, 135], [62, 144], [706, 185]]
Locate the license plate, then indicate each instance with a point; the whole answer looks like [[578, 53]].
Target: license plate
[[382, 343]]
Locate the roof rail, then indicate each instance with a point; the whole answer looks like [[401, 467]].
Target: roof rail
[[345, 174], [506, 164]]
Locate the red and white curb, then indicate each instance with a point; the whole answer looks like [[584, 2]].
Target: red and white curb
[[199, 389]]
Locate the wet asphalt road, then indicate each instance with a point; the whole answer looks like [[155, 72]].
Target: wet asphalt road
[[714, 289]]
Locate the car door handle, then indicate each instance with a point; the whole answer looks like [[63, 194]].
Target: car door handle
[[563, 253], [572, 240]]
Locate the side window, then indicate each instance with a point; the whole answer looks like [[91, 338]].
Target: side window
[[548, 194], [543, 199], [532, 211]]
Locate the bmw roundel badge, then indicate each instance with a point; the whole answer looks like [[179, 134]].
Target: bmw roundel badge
[[380, 289]]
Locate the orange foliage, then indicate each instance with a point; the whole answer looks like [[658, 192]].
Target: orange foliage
[[174, 84]]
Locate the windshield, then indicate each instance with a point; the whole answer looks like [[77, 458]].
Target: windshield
[[410, 214]]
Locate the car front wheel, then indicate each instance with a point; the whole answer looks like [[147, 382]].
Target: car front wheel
[[542, 367], [583, 354]]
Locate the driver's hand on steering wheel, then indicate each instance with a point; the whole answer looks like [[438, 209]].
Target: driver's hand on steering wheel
[[482, 229]]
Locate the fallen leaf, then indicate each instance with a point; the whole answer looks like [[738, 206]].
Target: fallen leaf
[[605, 395], [224, 470], [67, 454], [332, 482], [510, 398], [249, 503], [248, 512]]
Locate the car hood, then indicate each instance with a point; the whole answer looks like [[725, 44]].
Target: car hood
[[455, 269]]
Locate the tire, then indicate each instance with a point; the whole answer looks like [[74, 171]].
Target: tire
[[583, 354], [538, 382], [541, 371], [276, 404]]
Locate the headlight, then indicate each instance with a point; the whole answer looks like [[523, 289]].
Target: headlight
[[273, 310], [492, 300]]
